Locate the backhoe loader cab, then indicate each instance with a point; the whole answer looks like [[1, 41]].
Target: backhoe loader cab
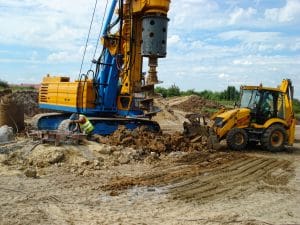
[[265, 115], [263, 104]]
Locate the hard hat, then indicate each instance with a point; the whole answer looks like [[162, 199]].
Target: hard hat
[[74, 116]]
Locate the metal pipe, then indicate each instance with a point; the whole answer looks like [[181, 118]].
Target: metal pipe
[[109, 17]]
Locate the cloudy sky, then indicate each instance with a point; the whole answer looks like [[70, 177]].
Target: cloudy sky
[[211, 43]]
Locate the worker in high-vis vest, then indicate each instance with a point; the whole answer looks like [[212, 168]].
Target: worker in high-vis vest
[[84, 124]]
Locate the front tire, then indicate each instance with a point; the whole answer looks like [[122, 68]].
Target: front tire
[[237, 139], [274, 138]]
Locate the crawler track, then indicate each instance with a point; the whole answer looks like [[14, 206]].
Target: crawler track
[[102, 125]]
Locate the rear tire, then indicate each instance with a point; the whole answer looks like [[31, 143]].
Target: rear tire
[[237, 139], [274, 138]]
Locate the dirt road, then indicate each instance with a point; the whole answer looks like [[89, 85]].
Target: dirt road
[[298, 133], [87, 185]]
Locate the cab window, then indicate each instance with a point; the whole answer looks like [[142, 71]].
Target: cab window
[[280, 108]]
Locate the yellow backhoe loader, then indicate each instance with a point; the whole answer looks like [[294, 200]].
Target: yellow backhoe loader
[[263, 116]]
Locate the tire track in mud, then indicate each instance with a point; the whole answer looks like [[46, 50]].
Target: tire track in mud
[[223, 186], [192, 182], [228, 182], [180, 170], [235, 170], [216, 172]]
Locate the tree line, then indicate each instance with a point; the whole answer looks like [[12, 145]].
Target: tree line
[[3, 84], [229, 94]]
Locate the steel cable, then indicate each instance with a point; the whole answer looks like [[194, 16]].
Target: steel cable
[[99, 35], [88, 37]]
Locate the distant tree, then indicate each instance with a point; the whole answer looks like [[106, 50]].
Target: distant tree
[[173, 91], [190, 92], [230, 94], [3, 84], [169, 92], [210, 95], [296, 106], [161, 90]]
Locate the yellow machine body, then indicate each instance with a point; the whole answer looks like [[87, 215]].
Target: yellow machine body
[[61, 92], [233, 118]]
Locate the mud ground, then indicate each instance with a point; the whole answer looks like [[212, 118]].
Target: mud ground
[[90, 184], [95, 183]]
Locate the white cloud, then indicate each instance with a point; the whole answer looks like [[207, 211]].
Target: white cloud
[[56, 24], [241, 15], [248, 36], [71, 56], [61, 57], [192, 14], [266, 42], [242, 62], [211, 43], [223, 76], [34, 56], [174, 39], [296, 45], [288, 13]]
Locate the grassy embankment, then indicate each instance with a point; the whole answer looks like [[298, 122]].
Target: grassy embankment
[[4, 85]]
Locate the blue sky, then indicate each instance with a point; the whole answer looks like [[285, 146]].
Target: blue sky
[[211, 43]]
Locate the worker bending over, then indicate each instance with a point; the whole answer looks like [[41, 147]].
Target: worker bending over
[[82, 123]]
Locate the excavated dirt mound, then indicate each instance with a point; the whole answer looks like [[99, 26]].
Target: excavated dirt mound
[[140, 138], [195, 104], [27, 98], [88, 156]]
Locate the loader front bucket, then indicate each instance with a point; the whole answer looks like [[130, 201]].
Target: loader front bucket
[[213, 141], [196, 125]]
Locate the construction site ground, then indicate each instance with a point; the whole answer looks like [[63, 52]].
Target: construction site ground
[[95, 183]]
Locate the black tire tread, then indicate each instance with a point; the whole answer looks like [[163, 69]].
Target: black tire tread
[[230, 138], [265, 141]]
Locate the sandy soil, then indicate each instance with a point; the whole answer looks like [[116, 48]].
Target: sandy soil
[[88, 184], [95, 183]]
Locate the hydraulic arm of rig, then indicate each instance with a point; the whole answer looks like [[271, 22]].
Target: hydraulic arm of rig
[[117, 92]]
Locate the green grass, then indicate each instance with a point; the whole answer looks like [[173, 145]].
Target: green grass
[[209, 110], [226, 103]]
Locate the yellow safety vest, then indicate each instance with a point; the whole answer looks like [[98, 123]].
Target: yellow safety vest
[[87, 127]]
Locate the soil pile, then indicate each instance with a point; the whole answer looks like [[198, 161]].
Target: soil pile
[[141, 138], [11, 111], [195, 104], [27, 98]]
